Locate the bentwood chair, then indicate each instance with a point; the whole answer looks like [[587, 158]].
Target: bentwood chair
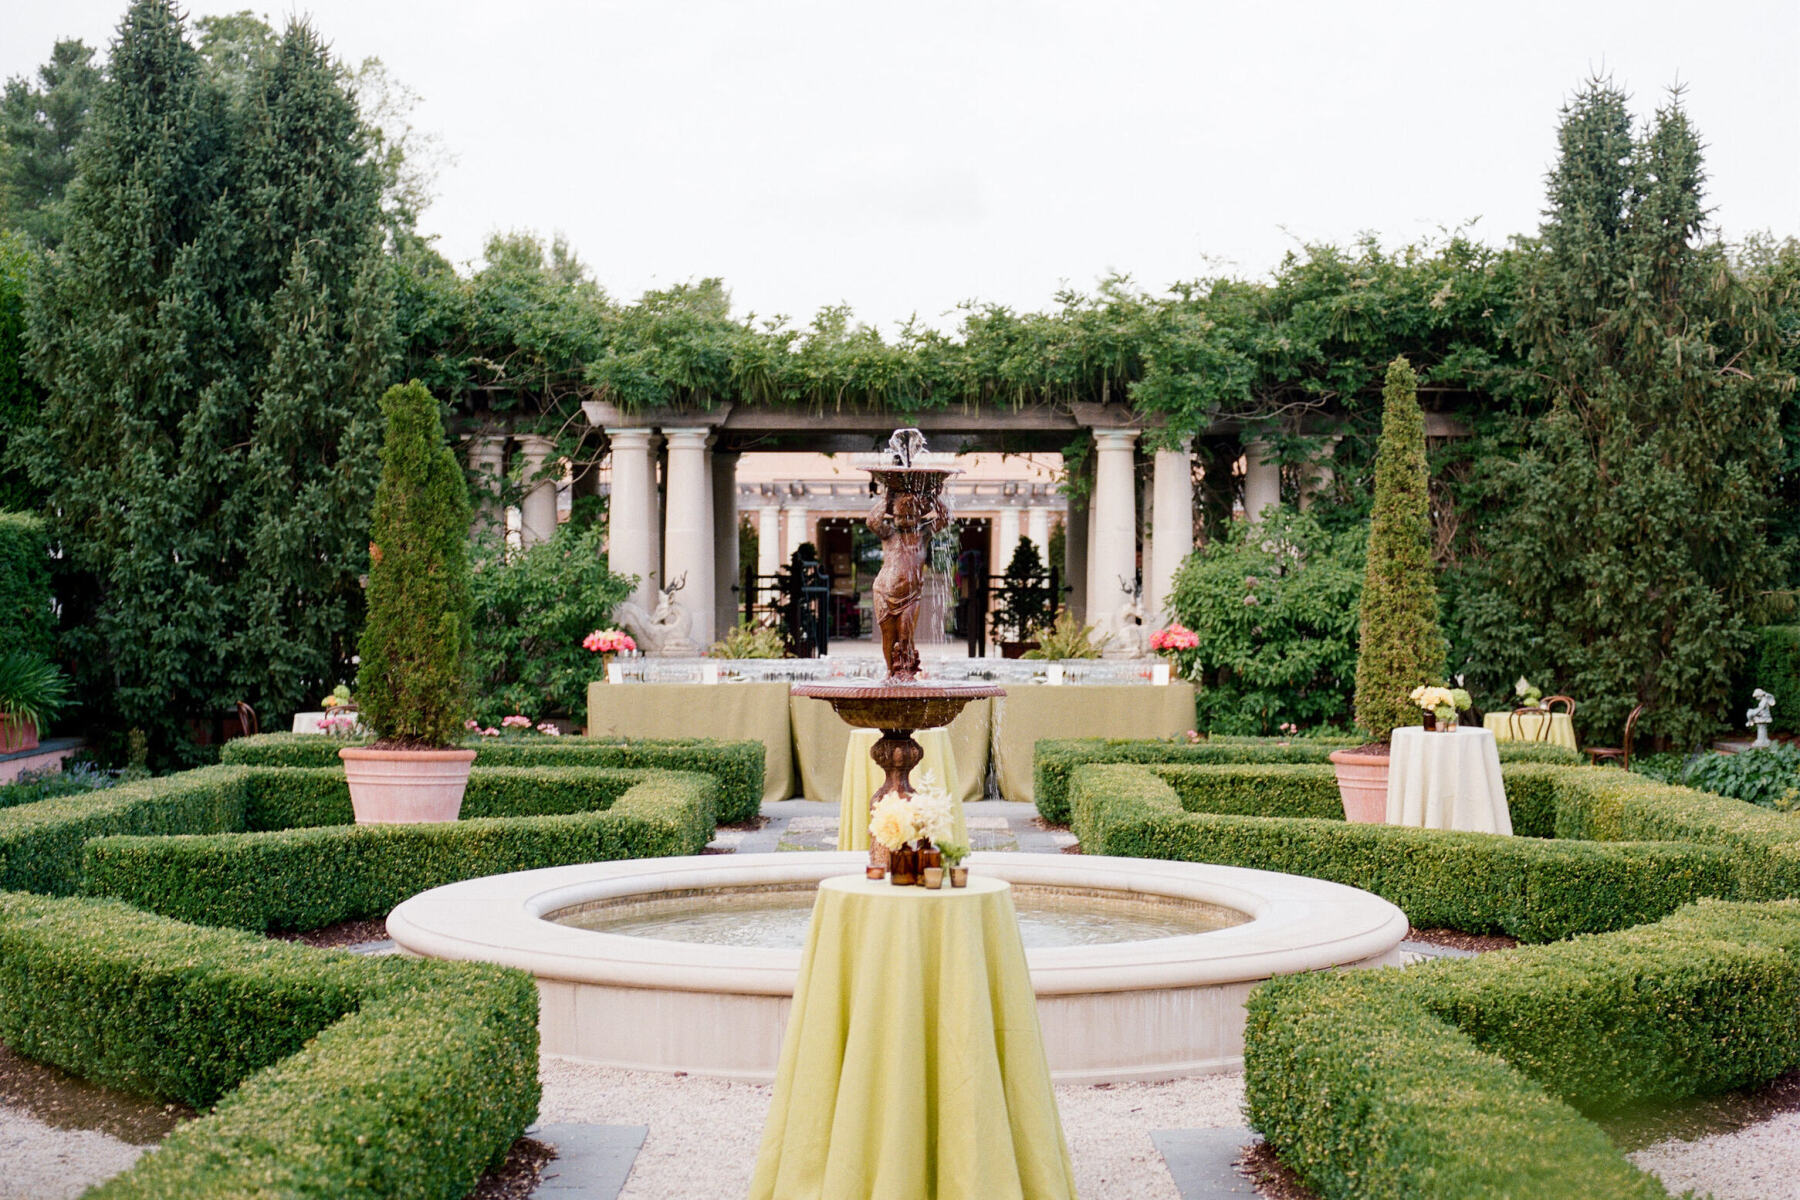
[[1620, 754]]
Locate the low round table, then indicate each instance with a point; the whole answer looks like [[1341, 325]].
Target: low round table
[[862, 779], [1529, 727], [912, 1065], [1446, 780]]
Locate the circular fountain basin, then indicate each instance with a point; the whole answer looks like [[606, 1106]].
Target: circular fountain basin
[[1149, 1007], [912, 705]]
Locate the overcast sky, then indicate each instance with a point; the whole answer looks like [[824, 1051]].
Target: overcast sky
[[904, 157]]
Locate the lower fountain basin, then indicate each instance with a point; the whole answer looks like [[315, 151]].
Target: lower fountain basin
[[1156, 1008]]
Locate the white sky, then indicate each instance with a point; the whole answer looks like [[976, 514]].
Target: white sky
[[903, 157]]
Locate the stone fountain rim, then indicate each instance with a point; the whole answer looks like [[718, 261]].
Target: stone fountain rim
[[897, 690], [1296, 923]]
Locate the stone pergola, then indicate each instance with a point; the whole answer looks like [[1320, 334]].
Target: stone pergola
[[688, 526]]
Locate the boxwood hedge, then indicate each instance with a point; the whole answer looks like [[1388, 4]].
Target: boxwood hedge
[[334, 1074], [1534, 889], [737, 765], [305, 878], [1463, 1078], [1054, 758]]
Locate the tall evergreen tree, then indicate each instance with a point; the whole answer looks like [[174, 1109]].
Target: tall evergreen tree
[[212, 336], [1399, 647], [39, 127], [1637, 551]]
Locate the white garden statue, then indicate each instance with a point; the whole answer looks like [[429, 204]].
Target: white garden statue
[[1121, 633], [665, 632], [1760, 718]]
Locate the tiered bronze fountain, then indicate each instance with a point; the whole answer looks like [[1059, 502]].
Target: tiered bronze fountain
[[908, 511]]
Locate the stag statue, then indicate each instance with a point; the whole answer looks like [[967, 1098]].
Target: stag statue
[[664, 632], [1120, 633]]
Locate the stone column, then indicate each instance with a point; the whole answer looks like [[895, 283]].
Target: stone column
[[726, 569], [1037, 528], [1262, 480], [768, 547], [796, 533], [688, 529], [630, 522], [537, 511], [1112, 528], [1172, 528], [1075, 547], [487, 460], [1008, 540], [1323, 474]]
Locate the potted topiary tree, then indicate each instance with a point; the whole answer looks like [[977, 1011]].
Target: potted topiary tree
[[1399, 646], [412, 686], [1027, 607]]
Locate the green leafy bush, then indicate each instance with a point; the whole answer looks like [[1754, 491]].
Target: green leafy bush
[[747, 640], [1398, 643], [532, 608], [306, 878], [32, 688], [413, 683], [1274, 606], [26, 614], [1458, 1078], [334, 1074], [1768, 778], [737, 765], [1531, 888], [1066, 638]]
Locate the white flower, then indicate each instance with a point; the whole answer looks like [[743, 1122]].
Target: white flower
[[1521, 685], [895, 822], [936, 811]]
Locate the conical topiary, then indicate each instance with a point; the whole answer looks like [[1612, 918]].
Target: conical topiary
[[413, 681], [1400, 647]]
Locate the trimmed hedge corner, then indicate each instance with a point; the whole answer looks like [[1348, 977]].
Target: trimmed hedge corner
[[304, 878], [1054, 758], [1462, 1078], [335, 1074], [1531, 888], [737, 765]]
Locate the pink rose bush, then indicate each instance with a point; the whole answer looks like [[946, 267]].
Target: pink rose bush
[[1175, 637]]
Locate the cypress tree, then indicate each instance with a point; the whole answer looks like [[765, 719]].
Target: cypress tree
[[1399, 646], [1637, 554], [211, 336], [415, 647]]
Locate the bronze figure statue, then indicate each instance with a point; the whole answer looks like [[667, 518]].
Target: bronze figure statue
[[904, 521]]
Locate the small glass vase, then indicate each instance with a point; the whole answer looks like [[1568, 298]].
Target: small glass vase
[[959, 877], [903, 867]]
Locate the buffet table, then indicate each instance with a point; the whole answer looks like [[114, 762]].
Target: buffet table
[[1027, 714], [748, 711], [1446, 780], [912, 1065]]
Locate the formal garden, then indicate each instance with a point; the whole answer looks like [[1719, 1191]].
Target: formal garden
[[1472, 747]]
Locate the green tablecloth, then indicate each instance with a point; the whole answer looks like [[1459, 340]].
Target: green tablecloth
[[1026, 714], [913, 1066], [862, 779], [821, 740], [711, 710]]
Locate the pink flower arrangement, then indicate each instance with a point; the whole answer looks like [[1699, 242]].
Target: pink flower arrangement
[[608, 641], [549, 730], [516, 722], [1175, 637]]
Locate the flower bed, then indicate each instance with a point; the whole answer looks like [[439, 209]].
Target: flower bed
[[737, 765], [1465, 1078], [334, 1074]]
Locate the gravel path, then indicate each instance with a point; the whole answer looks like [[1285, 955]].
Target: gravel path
[[42, 1162], [704, 1132], [1758, 1162]]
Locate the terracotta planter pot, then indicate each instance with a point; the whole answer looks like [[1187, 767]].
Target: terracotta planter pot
[[1016, 649], [22, 735], [1362, 782], [405, 787]]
